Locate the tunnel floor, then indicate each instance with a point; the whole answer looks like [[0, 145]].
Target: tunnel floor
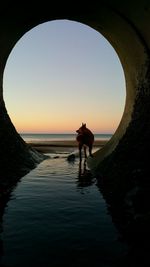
[[57, 216]]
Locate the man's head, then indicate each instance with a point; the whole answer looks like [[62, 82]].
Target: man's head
[[82, 128]]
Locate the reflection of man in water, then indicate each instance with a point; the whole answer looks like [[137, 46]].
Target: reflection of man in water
[[84, 176]]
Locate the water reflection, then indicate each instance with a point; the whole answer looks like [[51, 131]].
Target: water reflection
[[4, 198], [85, 177], [65, 215], [5, 195]]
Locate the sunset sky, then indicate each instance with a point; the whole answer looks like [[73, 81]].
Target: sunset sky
[[62, 73]]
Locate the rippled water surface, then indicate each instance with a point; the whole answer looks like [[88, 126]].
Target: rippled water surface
[[58, 217]]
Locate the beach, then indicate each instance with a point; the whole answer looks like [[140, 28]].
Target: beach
[[55, 146]]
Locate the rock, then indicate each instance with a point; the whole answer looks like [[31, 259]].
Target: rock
[[71, 157]]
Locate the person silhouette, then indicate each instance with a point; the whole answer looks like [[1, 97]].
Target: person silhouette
[[85, 138]]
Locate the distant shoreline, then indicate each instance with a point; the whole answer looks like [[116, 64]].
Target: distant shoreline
[[65, 145]]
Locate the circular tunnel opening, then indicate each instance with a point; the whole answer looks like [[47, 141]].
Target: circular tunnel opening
[[62, 73], [125, 158]]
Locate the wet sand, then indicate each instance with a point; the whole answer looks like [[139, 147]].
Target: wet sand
[[65, 145]]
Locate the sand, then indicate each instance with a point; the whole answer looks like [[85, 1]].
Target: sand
[[66, 145]]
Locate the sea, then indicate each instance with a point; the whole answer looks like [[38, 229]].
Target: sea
[[57, 216], [37, 137]]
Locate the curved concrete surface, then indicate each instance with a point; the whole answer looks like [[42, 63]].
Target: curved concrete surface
[[125, 27], [122, 166]]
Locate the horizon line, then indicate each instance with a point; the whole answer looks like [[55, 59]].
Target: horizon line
[[62, 133]]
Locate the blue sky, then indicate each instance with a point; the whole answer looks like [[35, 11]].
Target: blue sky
[[62, 73]]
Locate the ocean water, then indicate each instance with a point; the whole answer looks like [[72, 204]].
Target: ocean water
[[56, 216], [29, 137]]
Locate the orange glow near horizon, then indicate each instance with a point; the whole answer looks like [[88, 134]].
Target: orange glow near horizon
[[27, 125], [60, 74]]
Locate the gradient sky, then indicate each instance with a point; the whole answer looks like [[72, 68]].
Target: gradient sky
[[60, 74]]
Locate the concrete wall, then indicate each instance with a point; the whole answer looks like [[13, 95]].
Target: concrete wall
[[123, 24], [122, 166]]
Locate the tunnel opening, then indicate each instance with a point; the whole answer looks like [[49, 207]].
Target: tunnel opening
[[121, 162], [58, 72]]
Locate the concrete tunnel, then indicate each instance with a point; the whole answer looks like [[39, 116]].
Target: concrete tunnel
[[122, 164]]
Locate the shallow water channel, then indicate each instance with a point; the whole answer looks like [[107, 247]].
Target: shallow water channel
[[56, 216]]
